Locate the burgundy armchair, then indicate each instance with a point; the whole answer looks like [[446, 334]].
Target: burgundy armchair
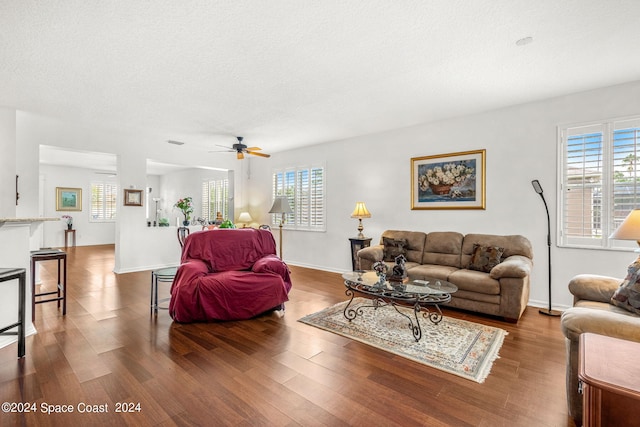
[[228, 274]]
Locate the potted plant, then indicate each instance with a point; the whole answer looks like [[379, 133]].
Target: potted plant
[[69, 220], [186, 207]]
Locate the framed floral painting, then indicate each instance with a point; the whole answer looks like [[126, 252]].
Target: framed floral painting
[[448, 181]]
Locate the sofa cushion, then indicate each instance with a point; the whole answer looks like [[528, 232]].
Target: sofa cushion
[[627, 296], [430, 271], [415, 242], [513, 245], [393, 248], [475, 281], [243, 247], [484, 258], [443, 248]]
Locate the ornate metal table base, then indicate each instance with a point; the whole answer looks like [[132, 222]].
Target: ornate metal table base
[[434, 316], [420, 298]]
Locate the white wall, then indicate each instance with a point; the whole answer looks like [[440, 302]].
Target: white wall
[[87, 232], [7, 163], [521, 146]]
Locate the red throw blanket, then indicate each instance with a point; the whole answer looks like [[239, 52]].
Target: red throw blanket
[[228, 275]]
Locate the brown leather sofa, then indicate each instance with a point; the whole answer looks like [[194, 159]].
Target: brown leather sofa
[[592, 312], [500, 290]]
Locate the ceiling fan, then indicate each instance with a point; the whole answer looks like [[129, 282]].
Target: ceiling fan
[[241, 149]]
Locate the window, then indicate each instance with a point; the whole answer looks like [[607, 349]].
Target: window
[[600, 181], [215, 198], [304, 188], [103, 201]]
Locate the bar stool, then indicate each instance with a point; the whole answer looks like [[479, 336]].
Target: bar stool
[[20, 274], [61, 291]]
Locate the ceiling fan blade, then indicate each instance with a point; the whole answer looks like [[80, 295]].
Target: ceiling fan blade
[[253, 148], [240, 156], [258, 154], [224, 146]]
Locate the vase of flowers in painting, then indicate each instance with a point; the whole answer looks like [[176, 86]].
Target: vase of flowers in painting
[[442, 189]]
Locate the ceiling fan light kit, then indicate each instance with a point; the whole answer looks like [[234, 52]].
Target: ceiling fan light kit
[[241, 149]]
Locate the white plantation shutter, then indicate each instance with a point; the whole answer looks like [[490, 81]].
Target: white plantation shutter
[[302, 198], [205, 200], [316, 199], [626, 176], [215, 198], [304, 188], [103, 201], [600, 181]]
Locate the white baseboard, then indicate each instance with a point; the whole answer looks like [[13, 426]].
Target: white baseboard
[[6, 340]]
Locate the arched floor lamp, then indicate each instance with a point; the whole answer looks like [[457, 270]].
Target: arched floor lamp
[[538, 188]]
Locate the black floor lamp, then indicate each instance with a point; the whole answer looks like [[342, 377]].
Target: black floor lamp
[[538, 188]]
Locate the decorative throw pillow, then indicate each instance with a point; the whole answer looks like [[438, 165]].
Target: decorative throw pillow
[[484, 258], [393, 248], [627, 296]]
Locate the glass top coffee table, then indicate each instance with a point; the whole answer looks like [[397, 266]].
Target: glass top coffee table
[[418, 294]]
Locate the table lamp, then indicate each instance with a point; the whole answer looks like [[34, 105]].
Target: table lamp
[[629, 229], [360, 212], [281, 206], [245, 218]]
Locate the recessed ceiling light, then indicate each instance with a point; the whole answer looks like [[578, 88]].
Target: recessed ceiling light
[[524, 41], [175, 142]]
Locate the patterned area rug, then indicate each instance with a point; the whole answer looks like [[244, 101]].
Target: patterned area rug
[[456, 346]]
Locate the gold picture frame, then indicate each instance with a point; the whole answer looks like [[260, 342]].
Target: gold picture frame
[[133, 197], [68, 199], [449, 181]]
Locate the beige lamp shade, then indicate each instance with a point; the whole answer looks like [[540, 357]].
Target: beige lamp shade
[[244, 217], [360, 212], [630, 228]]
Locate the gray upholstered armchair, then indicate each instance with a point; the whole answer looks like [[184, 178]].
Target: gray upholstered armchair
[[592, 312]]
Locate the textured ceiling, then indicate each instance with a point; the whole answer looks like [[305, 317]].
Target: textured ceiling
[[291, 73]]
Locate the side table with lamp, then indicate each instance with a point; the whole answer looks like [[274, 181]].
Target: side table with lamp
[[360, 241]]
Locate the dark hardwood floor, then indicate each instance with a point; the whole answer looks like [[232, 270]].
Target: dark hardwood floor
[[272, 371]]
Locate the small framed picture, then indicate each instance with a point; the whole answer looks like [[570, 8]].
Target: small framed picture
[[133, 197], [68, 199], [448, 181]]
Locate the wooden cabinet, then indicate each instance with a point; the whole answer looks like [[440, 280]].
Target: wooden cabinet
[[609, 374]]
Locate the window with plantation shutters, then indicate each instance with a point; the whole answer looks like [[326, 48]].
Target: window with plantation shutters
[[104, 196], [600, 181], [215, 198], [304, 188]]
